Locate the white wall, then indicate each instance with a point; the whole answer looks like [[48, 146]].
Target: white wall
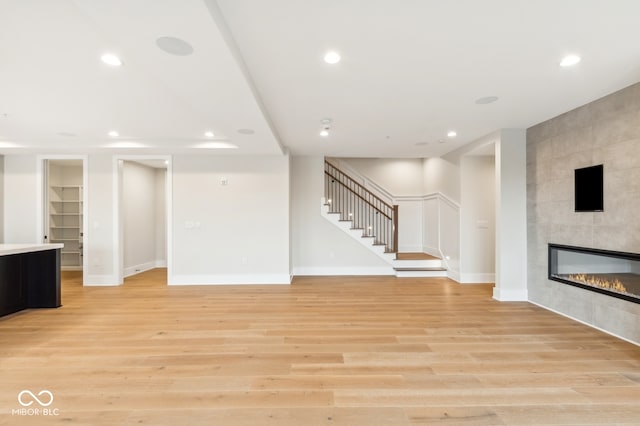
[[511, 216], [139, 217], [399, 176], [439, 175], [410, 225], [161, 217], [99, 241], [20, 200], [318, 247], [233, 233], [477, 222], [1, 199]]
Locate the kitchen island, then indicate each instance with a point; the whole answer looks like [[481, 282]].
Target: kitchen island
[[29, 277]]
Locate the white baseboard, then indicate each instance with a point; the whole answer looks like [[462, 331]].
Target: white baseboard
[[161, 264], [454, 275], [330, 270], [507, 295], [101, 281], [136, 269], [477, 278], [585, 323], [230, 279]]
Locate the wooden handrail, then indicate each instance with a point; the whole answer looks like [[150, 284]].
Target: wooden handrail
[[360, 196], [385, 228], [356, 183]]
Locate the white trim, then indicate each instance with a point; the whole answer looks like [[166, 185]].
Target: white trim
[[454, 275], [101, 281], [347, 270], [508, 295], [585, 323], [230, 279], [477, 278]]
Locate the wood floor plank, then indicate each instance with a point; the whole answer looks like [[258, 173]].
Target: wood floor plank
[[322, 351]]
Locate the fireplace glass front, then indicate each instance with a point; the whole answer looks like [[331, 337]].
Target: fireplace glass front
[[609, 272]]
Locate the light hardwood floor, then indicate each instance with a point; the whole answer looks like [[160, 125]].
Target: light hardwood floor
[[323, 351]]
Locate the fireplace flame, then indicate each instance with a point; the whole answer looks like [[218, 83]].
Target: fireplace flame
[[609, 284]]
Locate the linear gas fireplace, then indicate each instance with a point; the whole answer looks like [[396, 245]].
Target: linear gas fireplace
[[613, 273]]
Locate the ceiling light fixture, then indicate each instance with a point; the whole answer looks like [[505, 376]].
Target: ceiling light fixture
[[326, 126], [209, 134], [452, 134], [113, 134], [111, 59], [570, 60], [216, 145], [332, 57]]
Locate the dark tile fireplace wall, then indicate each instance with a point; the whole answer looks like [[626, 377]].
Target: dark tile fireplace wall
[[606, 131]]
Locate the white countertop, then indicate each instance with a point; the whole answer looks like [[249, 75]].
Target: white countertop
[[6, 249]]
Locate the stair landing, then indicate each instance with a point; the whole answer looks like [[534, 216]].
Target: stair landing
[[418, 265]]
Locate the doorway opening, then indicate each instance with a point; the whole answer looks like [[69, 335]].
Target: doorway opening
[[142, 211], [63, 192]]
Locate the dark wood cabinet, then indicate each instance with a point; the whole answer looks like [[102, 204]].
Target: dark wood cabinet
[[29, 280]]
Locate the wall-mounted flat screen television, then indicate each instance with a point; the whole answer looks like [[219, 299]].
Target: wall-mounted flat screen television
[[589, 189]]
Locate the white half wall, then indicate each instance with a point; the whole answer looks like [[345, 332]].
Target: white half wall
[[318, 247], [230, 220]]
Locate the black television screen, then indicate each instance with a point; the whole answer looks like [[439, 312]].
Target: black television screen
[[589, 189]]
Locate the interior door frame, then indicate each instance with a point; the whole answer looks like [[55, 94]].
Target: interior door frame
[[118, 236], [43, 209]]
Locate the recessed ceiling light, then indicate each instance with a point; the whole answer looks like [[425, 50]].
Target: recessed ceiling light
[[9, 145], [332, 57], [570, 60], [126, 144], [486, 100], [209, 134], [452, 134], [111, 59], [174, 46], [113, 134], [216, 145]]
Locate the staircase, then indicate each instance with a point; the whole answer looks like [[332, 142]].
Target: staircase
[[373, 222]]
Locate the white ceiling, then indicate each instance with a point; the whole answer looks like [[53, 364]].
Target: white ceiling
[[411, 70]]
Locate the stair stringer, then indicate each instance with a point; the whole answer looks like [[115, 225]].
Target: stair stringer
[[356, 234], [399, 268]]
